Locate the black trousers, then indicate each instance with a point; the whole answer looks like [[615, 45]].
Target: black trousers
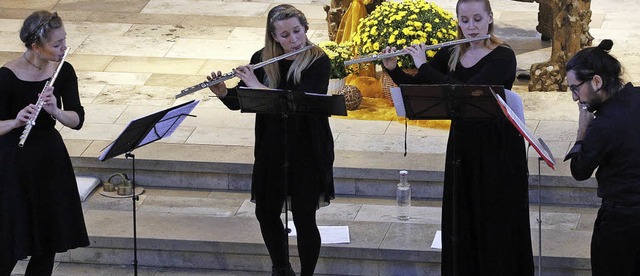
[[273, 232], [615, 244]]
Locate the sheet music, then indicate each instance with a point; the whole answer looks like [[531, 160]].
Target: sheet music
[[317, 94], [164, 128], [398, 103], [168, 124], [532, 139]]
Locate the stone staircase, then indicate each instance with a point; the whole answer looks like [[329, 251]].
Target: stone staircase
[[356, 173], [196, 214]]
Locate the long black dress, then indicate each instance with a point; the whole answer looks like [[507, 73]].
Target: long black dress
[[309, 143], [492, 206], [40, 210]]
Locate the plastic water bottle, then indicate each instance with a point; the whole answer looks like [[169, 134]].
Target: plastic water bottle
[[403, 197]]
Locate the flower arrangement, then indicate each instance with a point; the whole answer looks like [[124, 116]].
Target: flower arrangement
[[401, 24], [338, 53]]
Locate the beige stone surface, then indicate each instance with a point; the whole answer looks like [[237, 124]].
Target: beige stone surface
[[133, 56]]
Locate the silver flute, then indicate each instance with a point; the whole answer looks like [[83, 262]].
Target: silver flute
[[375, 57], [231, 74], [40, 102]]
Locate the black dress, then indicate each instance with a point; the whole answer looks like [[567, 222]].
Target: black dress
[[309, 143], [492, 206], [40, 210]]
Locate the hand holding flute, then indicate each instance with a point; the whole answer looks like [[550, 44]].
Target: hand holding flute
[[245, 73], [23, 116], [417, 53], [415, 50], [219, 89], [389, 63], [46, 100], [50, 103]]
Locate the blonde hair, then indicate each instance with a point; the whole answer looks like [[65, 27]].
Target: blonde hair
[[459, 50], [273, 49]]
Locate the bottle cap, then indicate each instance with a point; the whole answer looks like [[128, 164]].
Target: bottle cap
[[404, 172]]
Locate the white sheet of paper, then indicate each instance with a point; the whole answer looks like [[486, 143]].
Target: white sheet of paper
[[437, 240], [398, 103], [537, 143], [328, 234]]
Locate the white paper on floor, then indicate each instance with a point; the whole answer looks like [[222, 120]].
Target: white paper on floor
[[437, 240], [328, 234], [86, 184]]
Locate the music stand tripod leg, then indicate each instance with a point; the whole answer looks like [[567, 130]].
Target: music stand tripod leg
[[539, 220], [134, 198], [140, 132]]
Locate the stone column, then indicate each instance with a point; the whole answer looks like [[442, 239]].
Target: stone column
[[571, 20]]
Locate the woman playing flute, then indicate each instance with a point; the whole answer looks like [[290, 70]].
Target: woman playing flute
[[40, 211], [492, 208], [310, 142]]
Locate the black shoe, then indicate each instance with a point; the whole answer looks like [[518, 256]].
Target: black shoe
[[524, 76], [282, 271]]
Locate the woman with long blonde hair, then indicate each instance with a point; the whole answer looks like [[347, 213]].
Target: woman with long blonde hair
[[486, 228], [310, 142]]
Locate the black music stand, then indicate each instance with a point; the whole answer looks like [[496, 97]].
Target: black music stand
[[285, 103], [444, 102], [452, 102], [141, 132], [544, 153]]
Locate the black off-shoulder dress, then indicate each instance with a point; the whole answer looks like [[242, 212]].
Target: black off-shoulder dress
[[40, 209]]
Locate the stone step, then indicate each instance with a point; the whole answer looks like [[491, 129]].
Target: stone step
[[194, 213], [356, 173], [200, 229]]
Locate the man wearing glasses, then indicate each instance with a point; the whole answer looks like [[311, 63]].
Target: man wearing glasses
[[608, 139]]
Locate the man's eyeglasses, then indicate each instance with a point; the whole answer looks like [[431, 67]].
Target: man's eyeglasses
[[574, 88]]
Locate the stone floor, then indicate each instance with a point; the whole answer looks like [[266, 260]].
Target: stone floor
[[133, 56], [199, 215]]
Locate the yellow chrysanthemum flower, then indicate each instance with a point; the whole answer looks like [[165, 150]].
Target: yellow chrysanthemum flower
[[399, 24], [338, 54]]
